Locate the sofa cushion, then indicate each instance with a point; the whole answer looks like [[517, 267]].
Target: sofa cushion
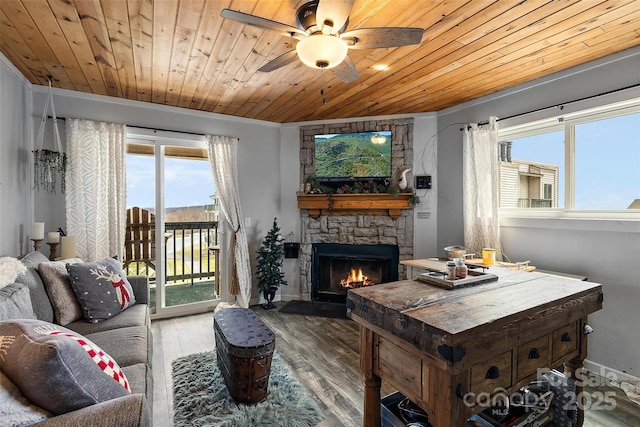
[[15, 409], [127, 346], [10, 268], [55, 277], [39, 299], [126, 411], [101, 287], [141, 378], [133, 316], [142, 382], [15, 302], [78, 373]]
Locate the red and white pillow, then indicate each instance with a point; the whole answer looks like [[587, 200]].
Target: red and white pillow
[[58, 369]]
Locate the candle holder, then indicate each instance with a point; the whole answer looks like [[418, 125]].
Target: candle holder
[[36, 244], [54, 250]]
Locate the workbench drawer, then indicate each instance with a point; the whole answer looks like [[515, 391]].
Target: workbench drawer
[[532, 355], [486, 377], [401, 368], [564, 340]]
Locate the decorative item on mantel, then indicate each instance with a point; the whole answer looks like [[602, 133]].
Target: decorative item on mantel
[[403, 182], [270, 258], [48, 164], [366, 197]]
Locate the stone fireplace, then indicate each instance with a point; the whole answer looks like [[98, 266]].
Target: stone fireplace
[[361, 227]]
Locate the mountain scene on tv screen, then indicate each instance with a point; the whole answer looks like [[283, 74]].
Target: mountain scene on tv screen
[[353, 155]]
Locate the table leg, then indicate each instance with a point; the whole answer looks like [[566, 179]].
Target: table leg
[[372, 416], [372, 382]]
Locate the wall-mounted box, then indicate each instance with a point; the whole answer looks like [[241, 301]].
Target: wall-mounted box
[[291, 250], [423, 182]]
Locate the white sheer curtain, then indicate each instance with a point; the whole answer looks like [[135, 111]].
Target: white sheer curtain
[[480, 187], [223, 158], [96, 187]]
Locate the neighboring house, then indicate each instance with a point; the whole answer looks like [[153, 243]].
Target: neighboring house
[[527, 184]]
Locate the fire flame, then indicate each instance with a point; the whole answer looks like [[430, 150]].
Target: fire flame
[[356, 279]]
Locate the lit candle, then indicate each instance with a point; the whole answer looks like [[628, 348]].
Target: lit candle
[[488, 256], [68, 247], [53, 237], [37, 231]]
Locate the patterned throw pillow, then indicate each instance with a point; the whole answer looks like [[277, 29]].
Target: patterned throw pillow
[[101, 287], [56, 281], [58, 369]]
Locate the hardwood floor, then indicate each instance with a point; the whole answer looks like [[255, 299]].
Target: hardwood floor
[[324, 354]]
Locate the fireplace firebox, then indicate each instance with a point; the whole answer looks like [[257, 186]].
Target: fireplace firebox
[[337, 267]]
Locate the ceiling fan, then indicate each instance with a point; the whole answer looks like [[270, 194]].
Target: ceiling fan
[[322, 40]]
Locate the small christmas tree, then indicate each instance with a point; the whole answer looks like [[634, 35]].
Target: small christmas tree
[[270, 256]]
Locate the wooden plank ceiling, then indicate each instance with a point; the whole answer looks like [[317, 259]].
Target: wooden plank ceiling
[[182, 53]]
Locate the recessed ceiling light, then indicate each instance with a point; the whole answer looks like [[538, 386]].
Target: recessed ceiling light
[[380, 67]]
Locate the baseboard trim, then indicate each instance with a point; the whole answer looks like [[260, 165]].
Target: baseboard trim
[[610, 373]]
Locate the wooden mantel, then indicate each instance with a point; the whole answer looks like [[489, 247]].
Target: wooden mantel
[[354, 204]]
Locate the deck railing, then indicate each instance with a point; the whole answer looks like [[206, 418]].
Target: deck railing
[[190, 253], [187, 251], [534, 203]]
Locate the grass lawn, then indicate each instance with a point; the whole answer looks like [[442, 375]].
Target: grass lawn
[[186, 293]]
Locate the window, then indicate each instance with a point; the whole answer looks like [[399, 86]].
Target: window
[[548, 191], [587, 161]]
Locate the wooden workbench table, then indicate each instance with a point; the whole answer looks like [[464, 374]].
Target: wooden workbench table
[[444, 348]]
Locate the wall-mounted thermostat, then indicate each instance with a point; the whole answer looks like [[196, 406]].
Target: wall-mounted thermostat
[[423, 182]]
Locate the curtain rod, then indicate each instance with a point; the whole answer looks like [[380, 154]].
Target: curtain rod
[[561, 105], [148, 128]]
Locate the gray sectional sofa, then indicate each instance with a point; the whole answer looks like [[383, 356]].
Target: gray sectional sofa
[[126, 337]]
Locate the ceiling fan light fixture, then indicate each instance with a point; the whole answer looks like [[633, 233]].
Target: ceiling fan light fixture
[[321, 51]]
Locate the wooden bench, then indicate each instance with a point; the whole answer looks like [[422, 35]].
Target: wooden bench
[[244, 348]]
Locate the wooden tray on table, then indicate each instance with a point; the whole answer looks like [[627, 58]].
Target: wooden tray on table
[[437, 275]]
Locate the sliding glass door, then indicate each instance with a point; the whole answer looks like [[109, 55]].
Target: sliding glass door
[[173, 232]]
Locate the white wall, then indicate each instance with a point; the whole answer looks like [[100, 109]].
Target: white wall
[[425, 152], [290, 215], [15, 161], [603, 250]]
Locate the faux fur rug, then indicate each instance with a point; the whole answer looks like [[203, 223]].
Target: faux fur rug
[[201, 398]]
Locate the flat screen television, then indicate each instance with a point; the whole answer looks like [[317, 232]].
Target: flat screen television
[[349, 157]]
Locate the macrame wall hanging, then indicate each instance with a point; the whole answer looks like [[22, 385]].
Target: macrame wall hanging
[[48, 165]]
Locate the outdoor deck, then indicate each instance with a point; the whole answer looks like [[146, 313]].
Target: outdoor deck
[[191, 263]]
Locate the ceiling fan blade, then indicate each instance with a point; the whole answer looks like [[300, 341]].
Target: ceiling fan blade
[[264, 23], [282, 60], [380, 37], [334, 11], [346, 71]]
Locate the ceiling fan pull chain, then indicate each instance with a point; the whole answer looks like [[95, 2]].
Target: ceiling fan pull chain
[[324, 100]]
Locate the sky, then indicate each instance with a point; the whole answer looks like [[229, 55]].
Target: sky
[[607, 161], [187, 182]]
